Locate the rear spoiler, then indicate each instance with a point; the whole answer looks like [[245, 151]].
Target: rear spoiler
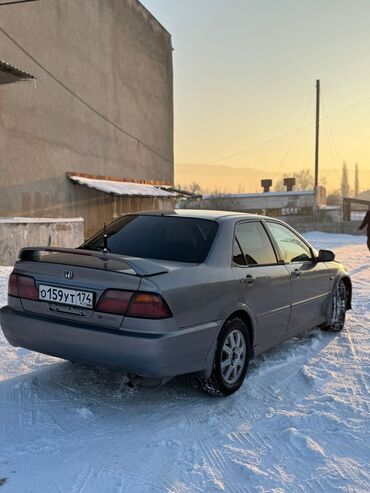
[[130, 265]]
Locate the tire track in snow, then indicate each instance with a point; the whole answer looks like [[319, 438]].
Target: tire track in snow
[[308, 395]]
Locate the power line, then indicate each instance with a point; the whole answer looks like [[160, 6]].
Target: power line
[[82, 101], [286, 134], [139, 141], [298, 129], [331, 133], [13, 2], [331, 152], [256, 146]]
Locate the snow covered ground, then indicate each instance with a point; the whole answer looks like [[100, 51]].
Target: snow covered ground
[[300, 423]]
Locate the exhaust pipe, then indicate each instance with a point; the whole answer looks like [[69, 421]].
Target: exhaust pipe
[[147, 382]]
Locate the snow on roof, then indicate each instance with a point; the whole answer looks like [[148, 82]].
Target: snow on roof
[[39, 220], [330, 207], [9, 73], [261, 194], [123, 187]]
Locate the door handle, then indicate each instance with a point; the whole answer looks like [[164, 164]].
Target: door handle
[[248, 280], [296, 273]]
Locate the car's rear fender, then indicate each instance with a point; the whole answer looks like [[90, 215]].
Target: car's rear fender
[[196, 294], [246, 315]]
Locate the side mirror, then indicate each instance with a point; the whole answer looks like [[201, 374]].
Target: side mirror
[[326, 256]]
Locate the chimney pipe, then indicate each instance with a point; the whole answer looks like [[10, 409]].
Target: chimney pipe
[[266, 184], [289, 183]]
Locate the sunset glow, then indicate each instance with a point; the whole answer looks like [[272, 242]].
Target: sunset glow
[[245, 73]]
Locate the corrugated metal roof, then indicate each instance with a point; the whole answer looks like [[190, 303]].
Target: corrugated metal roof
[[124, 188], [10, 74]]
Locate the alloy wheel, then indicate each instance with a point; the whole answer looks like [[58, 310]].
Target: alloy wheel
[[233, 356]]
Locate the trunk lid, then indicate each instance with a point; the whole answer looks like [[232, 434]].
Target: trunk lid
[[81, 271]]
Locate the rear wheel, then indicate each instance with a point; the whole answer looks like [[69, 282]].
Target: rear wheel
[[231, 359], [338, 308]]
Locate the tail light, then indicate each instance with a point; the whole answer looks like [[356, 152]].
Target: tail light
[[13, 286], [22, 287], [131, 304], [114, 301], [148, 305]]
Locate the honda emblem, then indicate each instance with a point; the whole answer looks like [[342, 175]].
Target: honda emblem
[[68, 274]]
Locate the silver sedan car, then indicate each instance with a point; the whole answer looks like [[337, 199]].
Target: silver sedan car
[[159, 294]]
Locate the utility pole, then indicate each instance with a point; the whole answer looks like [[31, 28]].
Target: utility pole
[[317, 136]]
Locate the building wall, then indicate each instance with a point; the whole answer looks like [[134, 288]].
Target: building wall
[[118, 58]]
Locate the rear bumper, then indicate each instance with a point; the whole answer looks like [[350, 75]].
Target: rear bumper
[[146, 354]]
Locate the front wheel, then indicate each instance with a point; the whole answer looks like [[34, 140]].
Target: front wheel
[[231, 359], [338, 308]]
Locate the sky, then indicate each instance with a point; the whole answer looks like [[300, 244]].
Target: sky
[[244, 75]]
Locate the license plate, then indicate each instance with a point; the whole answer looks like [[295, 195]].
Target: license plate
[[73, 297]]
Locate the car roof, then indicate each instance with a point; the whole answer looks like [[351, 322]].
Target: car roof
[[199, 214]]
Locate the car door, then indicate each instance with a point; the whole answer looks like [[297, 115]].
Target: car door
[[262, 284], [310, 279]]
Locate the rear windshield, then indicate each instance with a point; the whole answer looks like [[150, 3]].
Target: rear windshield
[[180, 239]]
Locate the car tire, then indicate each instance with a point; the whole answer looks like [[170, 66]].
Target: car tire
[[338, 308], [231, 359]]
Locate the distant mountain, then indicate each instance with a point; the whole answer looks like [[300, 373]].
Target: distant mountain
[[223, 178], [229, 179]]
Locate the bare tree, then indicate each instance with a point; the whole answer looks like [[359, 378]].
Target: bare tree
[[194, 187], [345, 182], [357, 181], [334, 198], [304, 180]]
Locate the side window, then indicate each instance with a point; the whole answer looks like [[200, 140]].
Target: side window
[[238, 256], [254, 243], [292, 248]]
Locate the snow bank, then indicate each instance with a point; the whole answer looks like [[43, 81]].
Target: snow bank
[[333, 241]]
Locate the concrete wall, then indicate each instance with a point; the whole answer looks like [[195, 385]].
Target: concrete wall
[[114, 55], [20, 232]]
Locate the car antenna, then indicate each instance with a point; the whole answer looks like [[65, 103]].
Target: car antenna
[[105, 239]]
